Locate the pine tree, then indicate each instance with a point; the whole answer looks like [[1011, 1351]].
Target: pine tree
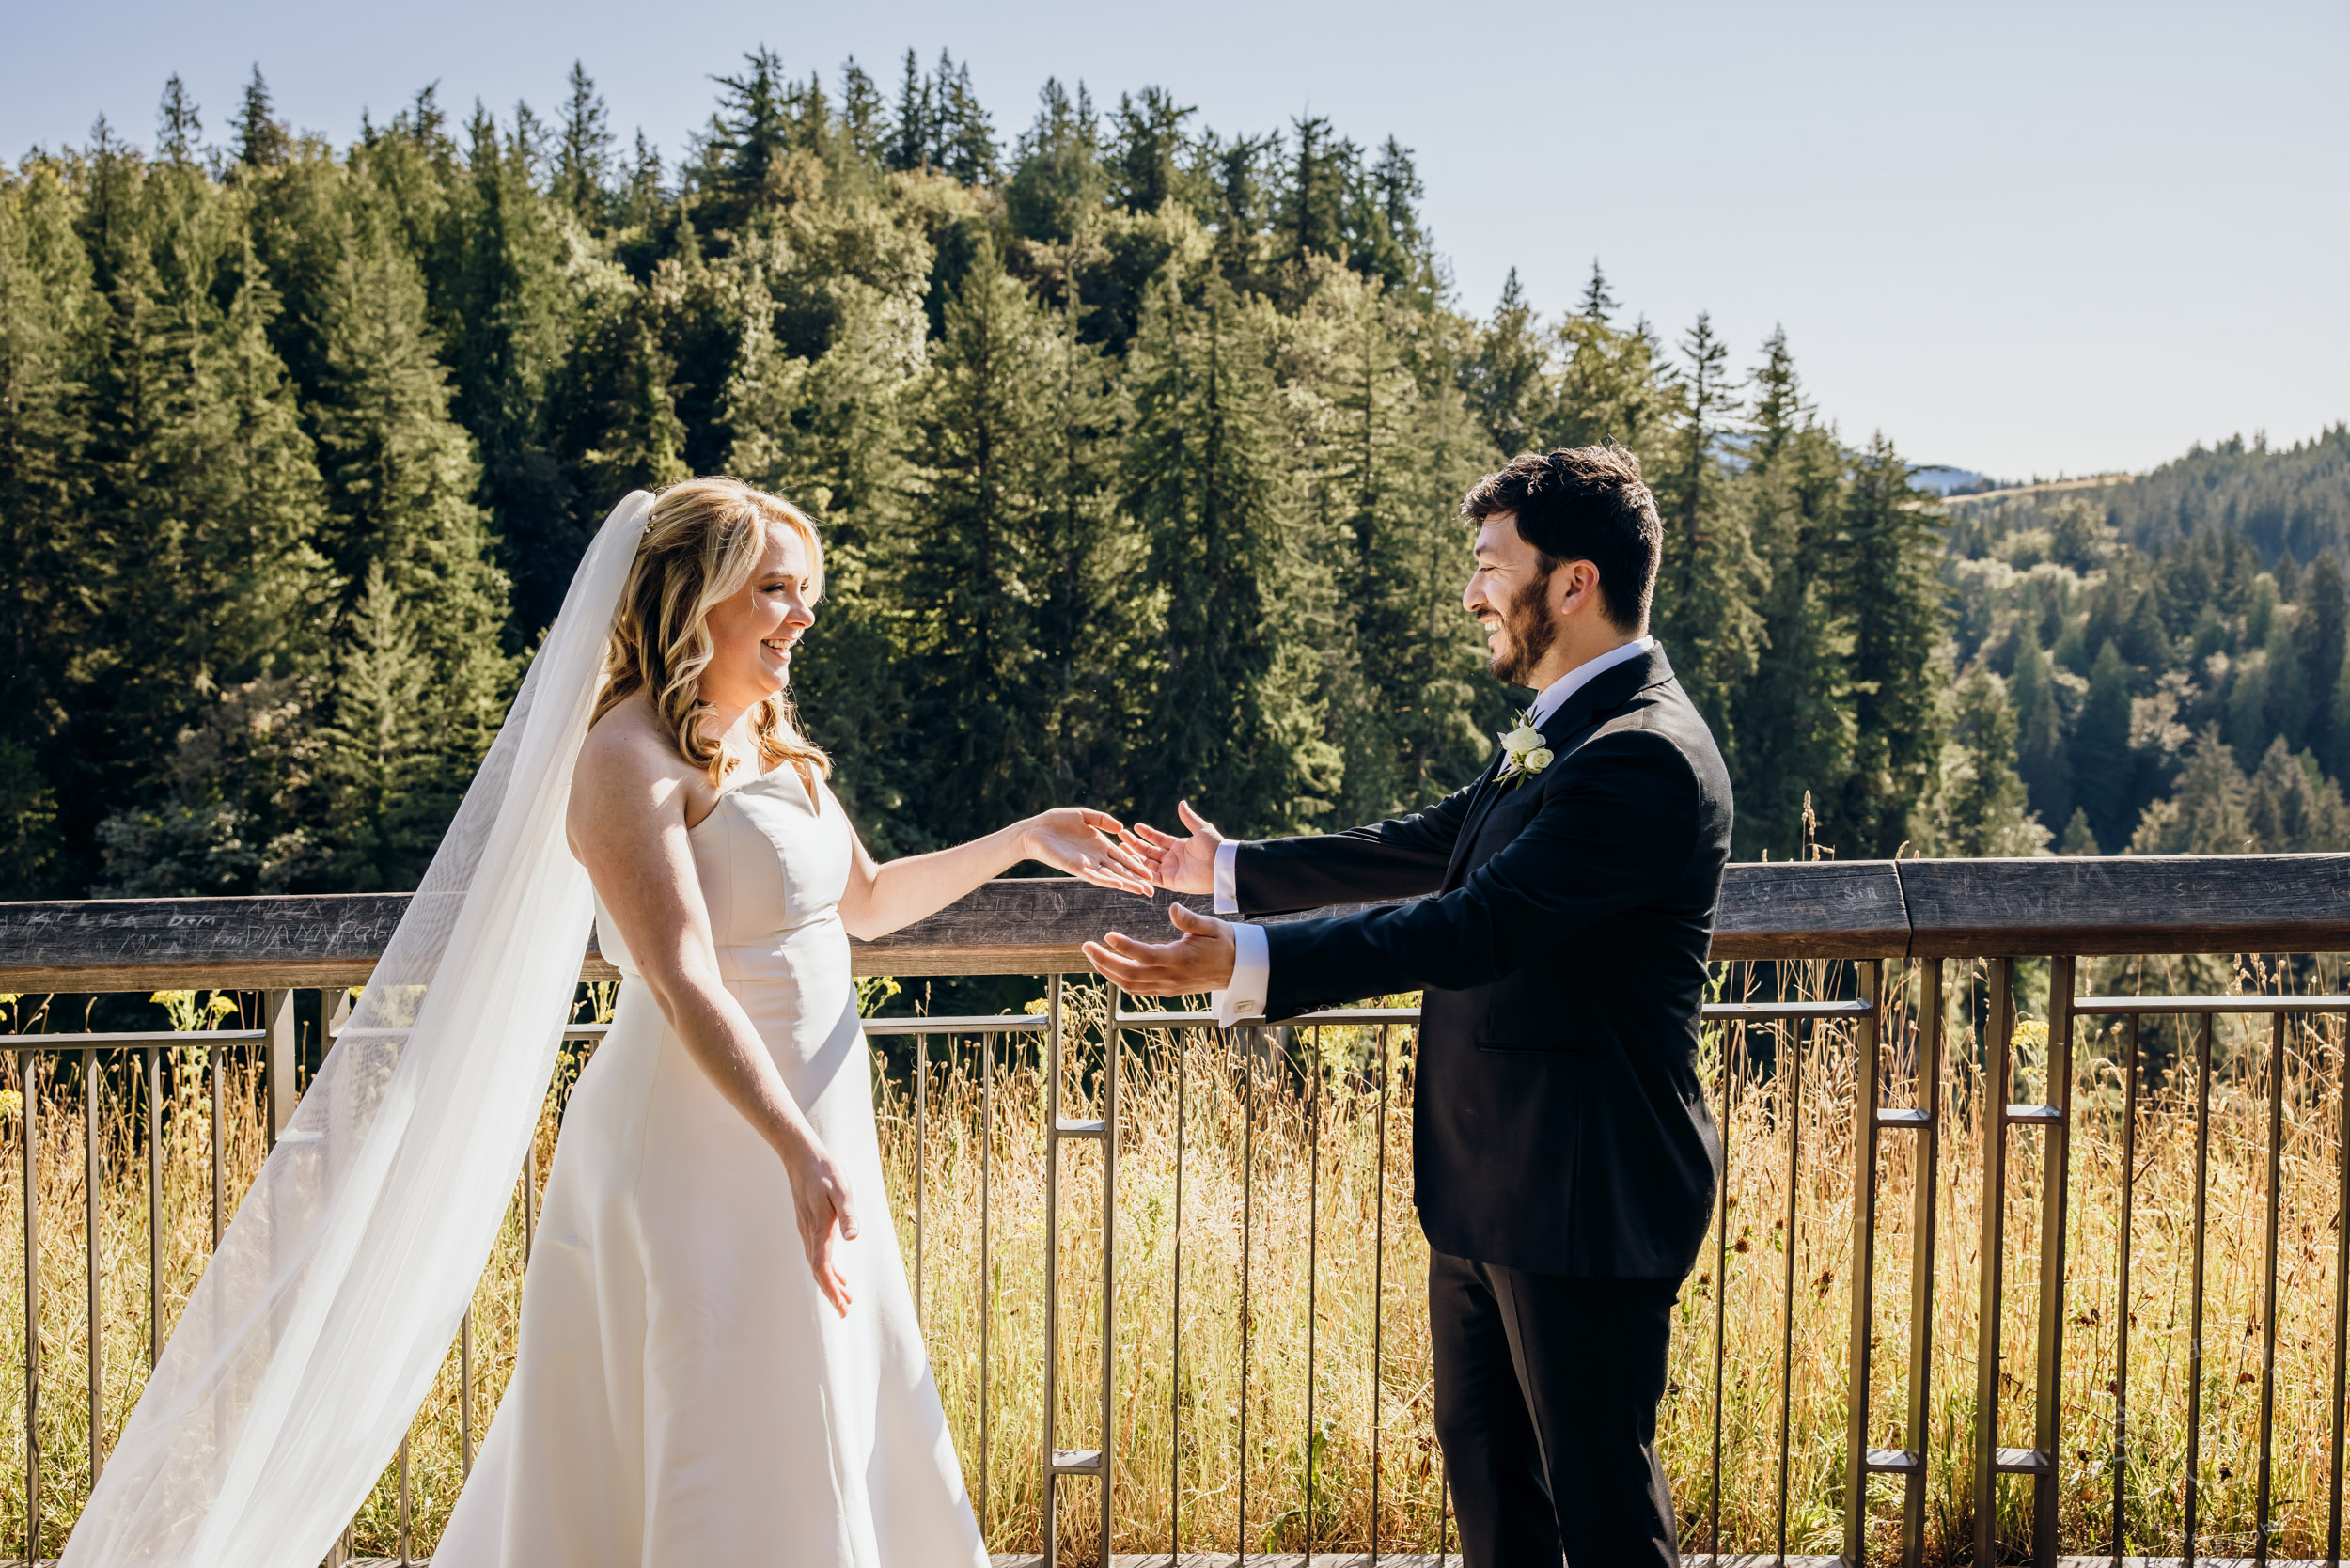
[[1597, 305], [262, 140], [45, 306], [1980, 804], [1391, 445], [1508, 383], [913, 134], [1710, 577], [2042, 755], [424, 605], [1884, 572], [2079, 837], [983, 436], [1793, 742], [864, 118], [1056, 174], [1310, 219], [584, 154], [176, 123], [1146, 150], [2205, 813], [2103, 769], [2321, 641], [512, 312], [2290, 807], [1233, 723], [966, 136]]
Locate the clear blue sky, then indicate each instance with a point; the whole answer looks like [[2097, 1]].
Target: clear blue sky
[[2019, 238]]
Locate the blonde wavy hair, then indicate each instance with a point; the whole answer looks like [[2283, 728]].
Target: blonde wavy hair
[[700, 548]]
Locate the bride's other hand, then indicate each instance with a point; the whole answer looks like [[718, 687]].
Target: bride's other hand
[[1179, 865], [1084, 843], [820, 1198]]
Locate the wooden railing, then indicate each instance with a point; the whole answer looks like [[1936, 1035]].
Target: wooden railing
[[1853, 955], [1852, 909]]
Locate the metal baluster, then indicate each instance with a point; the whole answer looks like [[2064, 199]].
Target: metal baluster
[[1991, 1113], [1254, 1036], [1733, 1044], [1181, 1043], [464, 1389], [2195, 1288], [2122, 1299], [2268, 1276], [2341, 1297], [407, 1529], [1924, 1174], [921, 1162], [1859, 1460], [92, 1087], [1378, 1283], [215, 1059], [32, 1313], [154, 1207], [277, 1014], [1313, 1242], [987, 1259], [1790, 1077], [1052, 1303], [2056, 1162], [1109, 1262]]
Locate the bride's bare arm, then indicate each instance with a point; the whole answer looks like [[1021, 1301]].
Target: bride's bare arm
[[883, 896], [627, 825]]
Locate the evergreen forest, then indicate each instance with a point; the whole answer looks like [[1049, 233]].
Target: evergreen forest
[[1137, 446]]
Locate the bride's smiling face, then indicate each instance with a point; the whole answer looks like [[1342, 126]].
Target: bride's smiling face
[[752, 633]]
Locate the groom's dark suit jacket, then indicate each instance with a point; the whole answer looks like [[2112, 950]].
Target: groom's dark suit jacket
[[1558, 1122]]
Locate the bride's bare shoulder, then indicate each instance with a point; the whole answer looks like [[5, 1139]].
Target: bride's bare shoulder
[[626, 755]]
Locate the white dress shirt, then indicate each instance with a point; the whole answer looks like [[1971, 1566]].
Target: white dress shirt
[[1252, 961]]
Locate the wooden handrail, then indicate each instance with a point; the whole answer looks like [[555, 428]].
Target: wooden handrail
[[1852, 909]]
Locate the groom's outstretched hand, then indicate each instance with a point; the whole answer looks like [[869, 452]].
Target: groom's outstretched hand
[[1179, 865], [1198, 960]]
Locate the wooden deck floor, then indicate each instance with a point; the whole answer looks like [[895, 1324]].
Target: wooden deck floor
[[1394, 1560]]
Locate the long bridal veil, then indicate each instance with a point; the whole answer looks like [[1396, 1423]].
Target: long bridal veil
[[316, 1330]]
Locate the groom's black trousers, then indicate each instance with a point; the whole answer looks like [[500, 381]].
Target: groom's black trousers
[[1546, 1392]]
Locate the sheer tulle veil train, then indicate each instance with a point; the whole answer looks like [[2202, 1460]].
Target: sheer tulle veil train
[[316, 1330]]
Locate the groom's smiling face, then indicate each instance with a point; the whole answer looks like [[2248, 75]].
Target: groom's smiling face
[[1509, 594]]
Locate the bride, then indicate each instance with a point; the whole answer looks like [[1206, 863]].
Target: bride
[[719, 1359], [699, 1384]]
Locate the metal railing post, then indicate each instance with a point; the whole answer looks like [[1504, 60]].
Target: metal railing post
[[1990, 1116], [278, 1022], [2054, 1121], [1862, 1461], [1060, 1462], [1925, 1174]]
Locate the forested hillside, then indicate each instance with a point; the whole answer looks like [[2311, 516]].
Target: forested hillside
[[1135, 445]]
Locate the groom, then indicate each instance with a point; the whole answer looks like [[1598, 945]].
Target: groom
[[1565, 1160]]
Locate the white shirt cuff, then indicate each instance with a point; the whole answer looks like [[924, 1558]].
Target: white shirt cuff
[[1252, 974], [1227, 879]]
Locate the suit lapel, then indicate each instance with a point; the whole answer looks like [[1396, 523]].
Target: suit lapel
[[1597, 697], [1479, 803]]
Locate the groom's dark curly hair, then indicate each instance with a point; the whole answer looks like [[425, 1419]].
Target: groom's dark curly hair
[[1582, 504]]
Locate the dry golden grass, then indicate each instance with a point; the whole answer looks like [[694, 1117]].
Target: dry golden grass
[[1282, 1187]]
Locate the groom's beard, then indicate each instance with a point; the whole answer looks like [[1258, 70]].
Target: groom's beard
[[1528, 633]]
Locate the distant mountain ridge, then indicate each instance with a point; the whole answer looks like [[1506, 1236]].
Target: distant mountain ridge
[[2285, 501]]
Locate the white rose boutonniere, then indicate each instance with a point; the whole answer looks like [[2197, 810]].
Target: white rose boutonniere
[[1523, 753]]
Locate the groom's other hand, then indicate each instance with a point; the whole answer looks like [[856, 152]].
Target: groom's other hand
[[1179, 865], [1199, 960]]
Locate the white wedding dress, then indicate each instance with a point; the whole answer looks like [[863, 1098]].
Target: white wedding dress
[[683, 1396]]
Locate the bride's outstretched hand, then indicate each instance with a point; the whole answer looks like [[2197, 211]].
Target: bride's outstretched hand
[[820, 1199], [1080, 840]]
